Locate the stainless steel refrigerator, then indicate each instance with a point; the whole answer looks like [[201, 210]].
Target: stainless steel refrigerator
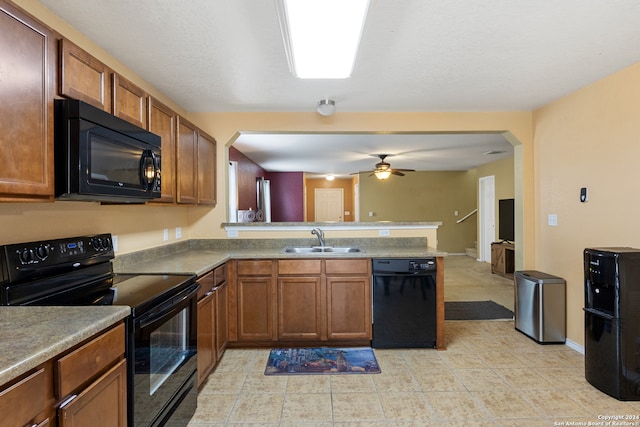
[[612, 321]]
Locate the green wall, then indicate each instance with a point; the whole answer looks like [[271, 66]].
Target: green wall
[[435, 196], [425, 196]]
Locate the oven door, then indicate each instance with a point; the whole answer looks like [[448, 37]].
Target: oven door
[[165, 344]]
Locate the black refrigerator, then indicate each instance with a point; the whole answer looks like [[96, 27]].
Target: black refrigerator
[[612, 321]]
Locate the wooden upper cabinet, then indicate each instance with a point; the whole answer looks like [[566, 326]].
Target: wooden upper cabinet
[[161, 120], [84, 77], [186, 161], [129, 101], [206, 169], [27, 86]]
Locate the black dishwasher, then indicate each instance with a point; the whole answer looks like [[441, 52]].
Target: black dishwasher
[[404, 303]]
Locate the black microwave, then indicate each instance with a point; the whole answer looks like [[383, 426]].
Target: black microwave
[[100, 157]]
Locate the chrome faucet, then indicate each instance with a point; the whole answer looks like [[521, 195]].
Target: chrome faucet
[[320, 235]]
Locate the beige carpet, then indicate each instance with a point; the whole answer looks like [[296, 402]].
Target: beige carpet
[[466, 279]]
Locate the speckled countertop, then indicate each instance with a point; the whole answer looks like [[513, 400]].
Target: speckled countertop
[[32, 335], [199, 257]]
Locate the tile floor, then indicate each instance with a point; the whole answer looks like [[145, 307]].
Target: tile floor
[[490, 375]]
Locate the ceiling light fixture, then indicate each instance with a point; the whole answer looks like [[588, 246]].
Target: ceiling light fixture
[[382, 174], [321, 37], [326, 107], [330, 177]]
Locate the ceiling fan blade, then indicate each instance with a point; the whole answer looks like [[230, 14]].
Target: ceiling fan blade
[[397, 172], [405, 170]]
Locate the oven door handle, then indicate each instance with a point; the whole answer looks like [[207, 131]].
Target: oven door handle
[[168, 309]]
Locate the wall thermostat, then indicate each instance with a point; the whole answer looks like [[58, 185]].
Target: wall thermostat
[[583, 194]]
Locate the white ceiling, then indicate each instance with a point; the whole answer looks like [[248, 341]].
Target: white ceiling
[[415, 55]]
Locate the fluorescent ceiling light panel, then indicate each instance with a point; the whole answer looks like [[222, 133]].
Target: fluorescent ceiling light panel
[[322, 36]]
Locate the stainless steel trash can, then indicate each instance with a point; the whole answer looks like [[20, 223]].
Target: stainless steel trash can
[[540, 311]]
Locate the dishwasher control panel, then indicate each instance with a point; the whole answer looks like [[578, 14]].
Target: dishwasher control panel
[[404, 265]]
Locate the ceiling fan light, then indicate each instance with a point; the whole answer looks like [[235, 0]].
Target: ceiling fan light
[[326, 107], [382, 174]]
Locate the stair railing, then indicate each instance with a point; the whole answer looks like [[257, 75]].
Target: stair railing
[[466, 216]]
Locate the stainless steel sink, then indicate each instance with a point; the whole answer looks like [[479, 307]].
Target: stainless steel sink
[[320, 249]]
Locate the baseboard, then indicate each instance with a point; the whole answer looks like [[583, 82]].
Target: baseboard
[[574, 345]]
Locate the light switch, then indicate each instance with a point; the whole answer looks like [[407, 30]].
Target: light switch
[[553, 220]]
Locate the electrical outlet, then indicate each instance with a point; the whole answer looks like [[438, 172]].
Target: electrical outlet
[[232, 233], [114, 243], [178, 232], [553, 220], [383, 232], [165, 234]]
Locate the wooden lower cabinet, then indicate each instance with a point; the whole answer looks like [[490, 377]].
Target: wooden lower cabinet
[[301, 308], [255, 309], [212, 320], [102, 403], [206, 337], [85, 385], [25, 402], [222, 317], [316, 300], [254, 296], [348, 308]]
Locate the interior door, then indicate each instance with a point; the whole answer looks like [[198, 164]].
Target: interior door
[[329, 204], [487, 217]]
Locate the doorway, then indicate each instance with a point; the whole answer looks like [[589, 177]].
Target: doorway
[[329, 204], [486, 217]]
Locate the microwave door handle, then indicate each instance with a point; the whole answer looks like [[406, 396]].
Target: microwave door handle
[[147, 176]]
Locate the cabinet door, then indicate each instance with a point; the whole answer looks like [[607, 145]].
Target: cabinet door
[[21, 403], [186, 164], [348, 308], [27, 79], [255, 306], [300, 308], [104, 402], [206, 169], [161, 120], [129, 101], [206, 344], [83, 77], [222, 313]]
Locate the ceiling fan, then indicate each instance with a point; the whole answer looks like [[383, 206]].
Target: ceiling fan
[[383, 169]]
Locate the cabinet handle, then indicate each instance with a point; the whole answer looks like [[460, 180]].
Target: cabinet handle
[[68, 400]]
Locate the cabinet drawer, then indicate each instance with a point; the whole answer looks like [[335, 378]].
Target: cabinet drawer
[[348, 266], [306, 266], [206, 284], [23, 401], [220, 274], [86, 362], [255, 267]]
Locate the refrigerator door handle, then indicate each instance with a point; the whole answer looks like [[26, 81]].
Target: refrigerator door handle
[[598, 313]]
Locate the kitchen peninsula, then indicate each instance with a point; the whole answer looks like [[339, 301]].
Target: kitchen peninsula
[[263, 260]]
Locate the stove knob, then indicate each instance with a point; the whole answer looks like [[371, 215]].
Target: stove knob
[[26, 255], [105, 243], [42, 252]]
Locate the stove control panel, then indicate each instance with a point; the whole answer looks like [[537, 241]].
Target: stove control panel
[[21, 259]]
